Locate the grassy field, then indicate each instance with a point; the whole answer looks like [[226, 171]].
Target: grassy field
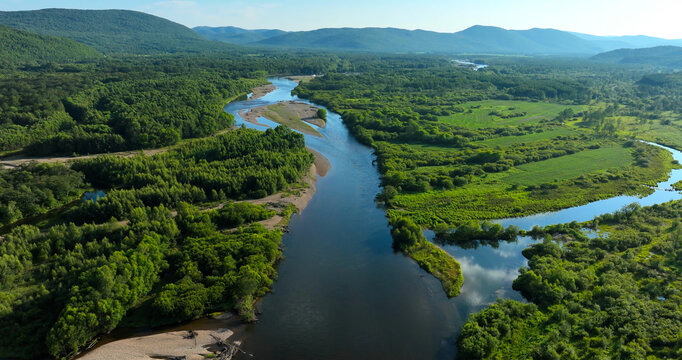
[[570, 166], [477, 113], [504, 141], [608, 172], [669, 134]]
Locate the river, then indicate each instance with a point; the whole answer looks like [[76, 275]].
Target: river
[[343, 293]]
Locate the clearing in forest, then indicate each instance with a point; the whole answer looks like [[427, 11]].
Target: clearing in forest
[[491, 113]]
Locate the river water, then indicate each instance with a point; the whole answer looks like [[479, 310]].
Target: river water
[[343, 293]]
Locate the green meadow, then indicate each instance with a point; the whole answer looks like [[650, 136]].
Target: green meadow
[[478, 114], [504, 141], [570, 166]]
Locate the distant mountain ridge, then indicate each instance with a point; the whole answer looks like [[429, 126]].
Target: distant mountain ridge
[[235, 35], [112, 31], [476, 39], [669, 56]]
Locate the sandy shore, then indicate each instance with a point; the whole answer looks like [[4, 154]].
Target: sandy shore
[[279, 201], [300, 199], [168, 345], [261, 91], [321, 163], [301, 78]]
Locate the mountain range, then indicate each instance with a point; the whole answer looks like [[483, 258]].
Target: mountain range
[[130, 32], [112, 31], [477, 39]]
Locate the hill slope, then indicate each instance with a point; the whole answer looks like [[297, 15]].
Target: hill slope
[[112, 31], [632, 42], [23, 47], [670, 56], [235, 35]]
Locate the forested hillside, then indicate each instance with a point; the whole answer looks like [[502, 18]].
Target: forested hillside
[[669, 56], [23, 47], [235, 35], [113, 31]]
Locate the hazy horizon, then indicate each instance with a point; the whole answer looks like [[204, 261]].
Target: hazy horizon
[[656, 18]]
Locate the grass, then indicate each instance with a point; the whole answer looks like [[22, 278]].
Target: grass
[[654, 131], [570, 166], [477, 113], [582, 178], [280, 114], [505, 141], [438, 263]]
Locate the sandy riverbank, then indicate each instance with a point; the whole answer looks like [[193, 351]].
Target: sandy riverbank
[[294, 114], [300, 197], [176, 344], [261, 91], [301, 78]]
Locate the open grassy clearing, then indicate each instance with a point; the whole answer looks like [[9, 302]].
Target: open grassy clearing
[[581, 178], [478, 114], [529, 138], [570, 166], [666, 131]]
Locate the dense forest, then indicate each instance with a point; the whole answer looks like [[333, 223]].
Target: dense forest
[[154, 241], [29, 48], [114, 31], [129, 103], [170, 239]]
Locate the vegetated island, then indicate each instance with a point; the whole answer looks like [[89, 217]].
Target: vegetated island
[[293, 114]]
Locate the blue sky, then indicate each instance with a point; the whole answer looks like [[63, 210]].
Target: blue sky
[[599, 17]]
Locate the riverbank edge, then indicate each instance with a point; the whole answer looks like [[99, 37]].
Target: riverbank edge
[[178, 343]]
